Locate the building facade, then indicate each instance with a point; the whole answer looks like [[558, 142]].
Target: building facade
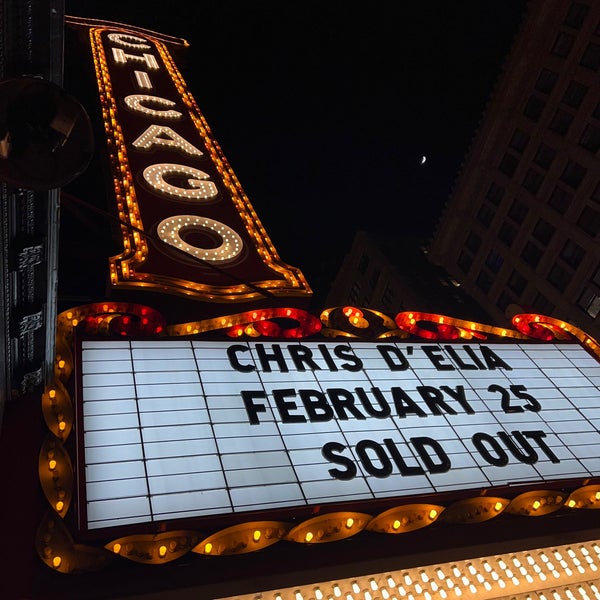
[[521, 229]]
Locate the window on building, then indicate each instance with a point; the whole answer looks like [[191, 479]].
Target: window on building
[[543, 231], [532, 181], [484, 281], [494, 261], [546, 81], [517, 283], [363, 264], [534, 108], [590, 138], [574, 94], [374, 278], [531, 254], [543, 305], [544, 156], [504, 299], [591, 57], [464, 262], [485, 214], [559, 277], [589, 301], [495, 194], [507, 233], [561, 122], [518, 211], [572, 253], [576, 15], [589, 221], [519, 140], [560, 200], [596, 193], [508, 164], [563, 44], [354, 294], [388, 296], [573, 174], [473, 242]]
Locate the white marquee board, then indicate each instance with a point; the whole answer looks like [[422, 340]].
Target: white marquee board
[[186, 428]]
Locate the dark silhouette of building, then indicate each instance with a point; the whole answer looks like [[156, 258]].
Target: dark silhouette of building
[[521, 229]]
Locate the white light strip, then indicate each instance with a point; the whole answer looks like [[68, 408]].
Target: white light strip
[[553, 573]]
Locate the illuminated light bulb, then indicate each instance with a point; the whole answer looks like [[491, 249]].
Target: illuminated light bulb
[[501, 583], [396, 524], [318, 594], [471, 568], [52, 393], [424, 577], [385, 594], [529, 578], [472, 589], [56, 561], [299, 595], [277, 596], [440, 573], [355, 587], [458, 591], [373, 584], [407, 579], [62, 426], [433, 513], [208, 548], [336, 590], [349, 522], [162, 551], [367, 596], [487, 585], [418, 588], [309, 536], [456, 571], [434, 586], [256, 535], [498, 506], [391, 582], [59, 505], [443, 594], [52, 464]]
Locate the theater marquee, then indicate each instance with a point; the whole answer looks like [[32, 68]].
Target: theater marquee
[[191, 428], [187, 226]]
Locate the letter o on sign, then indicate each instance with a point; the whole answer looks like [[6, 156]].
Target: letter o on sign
[[170, 232]]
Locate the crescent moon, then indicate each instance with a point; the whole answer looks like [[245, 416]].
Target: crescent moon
[[423, 159]]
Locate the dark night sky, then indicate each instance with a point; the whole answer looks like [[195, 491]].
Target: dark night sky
[[324, 109]]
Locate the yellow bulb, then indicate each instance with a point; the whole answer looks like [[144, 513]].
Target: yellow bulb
[[572, 503], [349, 522], [62, 425], [498, 506], [256, 535], [433, 513], [162, 551], [208, 548], [536, 504], [61, 364], [52, 393], [59, 505], [117, 548], [309, 536], [396, 524], [52, 465], [56, 562]]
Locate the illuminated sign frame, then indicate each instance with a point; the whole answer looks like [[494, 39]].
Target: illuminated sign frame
[[199, 428], [187, 226]]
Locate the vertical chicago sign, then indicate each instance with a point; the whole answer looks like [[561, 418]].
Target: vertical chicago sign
[[187, 226]]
